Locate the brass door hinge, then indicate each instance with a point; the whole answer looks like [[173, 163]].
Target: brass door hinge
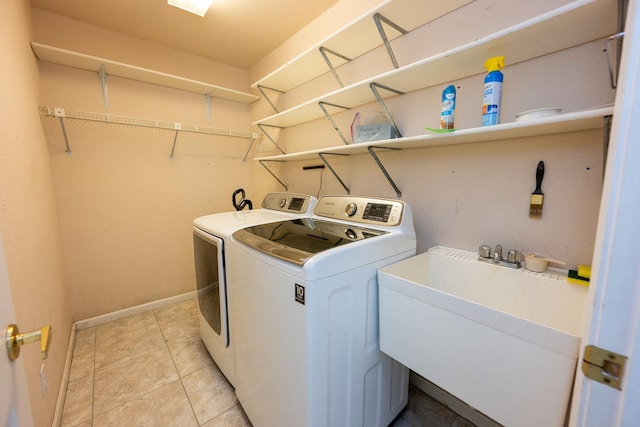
[[603, 366]]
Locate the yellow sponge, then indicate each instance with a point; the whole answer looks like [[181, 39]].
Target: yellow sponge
[[576, 279], [584, 271]]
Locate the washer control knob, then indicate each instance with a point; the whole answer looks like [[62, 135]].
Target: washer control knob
[[351, 209], [283, 203]]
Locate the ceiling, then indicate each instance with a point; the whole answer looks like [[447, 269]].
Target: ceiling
[[234, 32]]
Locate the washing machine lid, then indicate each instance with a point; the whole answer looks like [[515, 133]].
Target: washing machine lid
[[297, 240]]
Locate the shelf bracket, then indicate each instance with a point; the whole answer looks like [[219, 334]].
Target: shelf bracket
[[207, 99], [379, 19], [262, 128], [254, 137], [60, 113], [374, 88], [322, 104], [371, 149], [102, 75], [607, 134], [178, 127], [323, 51], [614, 69], [262, 162], [324, 160], [262, 91]]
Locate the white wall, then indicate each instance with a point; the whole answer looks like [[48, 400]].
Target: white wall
[[28, 215]]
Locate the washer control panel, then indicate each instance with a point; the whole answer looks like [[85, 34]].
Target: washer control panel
[[366, 210], [288, 202]]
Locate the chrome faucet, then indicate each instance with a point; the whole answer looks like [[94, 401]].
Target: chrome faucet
[[513, 260], [497, 254]]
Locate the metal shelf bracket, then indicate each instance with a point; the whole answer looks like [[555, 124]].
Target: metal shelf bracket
[[262, 91], [615, 68], [254, 137], [379, 19], [323, 51], [374, 88], [371, 149], [207, 99], [60, 113], [324, 160], [262, 162], [322, 104], [178, 127], [262, 128], [102, 75], [606, 136]]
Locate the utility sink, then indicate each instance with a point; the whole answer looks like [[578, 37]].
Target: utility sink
[[505, 341]]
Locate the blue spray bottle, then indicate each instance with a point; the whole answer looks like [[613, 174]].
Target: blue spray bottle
[[492, 96], [448, 107]]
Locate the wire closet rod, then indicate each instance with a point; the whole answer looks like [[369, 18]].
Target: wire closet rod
[[134, 121]]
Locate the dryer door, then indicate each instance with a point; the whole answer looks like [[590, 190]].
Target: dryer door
[[211, 284]]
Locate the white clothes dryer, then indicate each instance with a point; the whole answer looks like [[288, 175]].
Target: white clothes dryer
[[211, 238], [306, 315]]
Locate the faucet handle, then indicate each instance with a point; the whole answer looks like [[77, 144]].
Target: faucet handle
[[514, 256], [484, 251]]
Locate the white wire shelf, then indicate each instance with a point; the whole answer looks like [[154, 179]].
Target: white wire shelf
[[176, 127], [92, 63]]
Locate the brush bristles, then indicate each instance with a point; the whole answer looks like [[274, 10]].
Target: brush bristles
[[535, 208]]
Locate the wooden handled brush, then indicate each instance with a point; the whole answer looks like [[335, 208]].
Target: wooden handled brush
[[535, 207]]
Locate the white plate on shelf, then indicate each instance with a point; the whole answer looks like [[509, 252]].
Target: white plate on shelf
[[537, 114]]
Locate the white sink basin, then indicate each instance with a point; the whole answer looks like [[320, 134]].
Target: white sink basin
[[505, 341]]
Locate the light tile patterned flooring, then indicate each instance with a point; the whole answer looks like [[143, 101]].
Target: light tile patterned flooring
[[152, 369]]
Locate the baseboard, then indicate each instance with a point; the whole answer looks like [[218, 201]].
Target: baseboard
[[62, 391], [452, 402], [87, 323]]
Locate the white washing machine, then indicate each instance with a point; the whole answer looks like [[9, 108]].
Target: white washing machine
[[306, 315], [211, 238]]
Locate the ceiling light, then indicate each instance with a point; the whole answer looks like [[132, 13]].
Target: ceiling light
[[199, 7]]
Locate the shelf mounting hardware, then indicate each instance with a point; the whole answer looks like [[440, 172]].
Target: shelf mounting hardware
[[61, 114], [262, 128], [262, 91], [614, 69], [322, 104], [323, 51], [262, 162], [379, 19], [102, 75], [374, 88], [178, 127], [371, 149], [324, 160], [254, 137], [207, 99], [606, 137]]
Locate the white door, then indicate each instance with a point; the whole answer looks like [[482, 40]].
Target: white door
[[14, 401], [615, 322]]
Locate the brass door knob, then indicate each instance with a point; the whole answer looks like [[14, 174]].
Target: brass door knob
[[15, 340]]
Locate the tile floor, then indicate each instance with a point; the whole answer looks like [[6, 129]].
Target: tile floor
[[151, 369]]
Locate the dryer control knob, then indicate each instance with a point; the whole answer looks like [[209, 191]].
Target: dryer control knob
[[351, 209], [283, 203]]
